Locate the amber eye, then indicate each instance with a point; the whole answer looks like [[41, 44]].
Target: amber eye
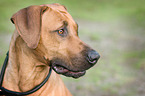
[[61, 31]]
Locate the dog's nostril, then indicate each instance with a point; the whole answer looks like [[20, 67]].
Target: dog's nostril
[[93, 56]]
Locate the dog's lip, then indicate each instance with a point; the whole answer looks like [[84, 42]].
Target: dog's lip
[[65, 71], [60, 69]]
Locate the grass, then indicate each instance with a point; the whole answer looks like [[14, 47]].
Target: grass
[[138, 57], [4, 42], [2, 58]]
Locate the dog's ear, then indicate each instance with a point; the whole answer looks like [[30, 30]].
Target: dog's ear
[[28, 24]]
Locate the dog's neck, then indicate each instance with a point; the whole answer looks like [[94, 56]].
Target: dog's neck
[[25, 71]]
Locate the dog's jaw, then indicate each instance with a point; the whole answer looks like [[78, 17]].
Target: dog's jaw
[[65, 71]]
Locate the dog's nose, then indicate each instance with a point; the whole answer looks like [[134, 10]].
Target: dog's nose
[[93, 57]]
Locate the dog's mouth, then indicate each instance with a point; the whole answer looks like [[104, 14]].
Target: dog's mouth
[[67, 72]]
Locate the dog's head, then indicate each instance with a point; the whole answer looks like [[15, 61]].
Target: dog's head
[[50, 31]]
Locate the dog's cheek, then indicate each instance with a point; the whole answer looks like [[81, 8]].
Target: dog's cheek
[[40, 68]]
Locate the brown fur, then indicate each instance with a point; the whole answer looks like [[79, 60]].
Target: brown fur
[[34, 44]]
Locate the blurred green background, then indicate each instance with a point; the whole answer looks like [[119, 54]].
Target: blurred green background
[[115, 28]]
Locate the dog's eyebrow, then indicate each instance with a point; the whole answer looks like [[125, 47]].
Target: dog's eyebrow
[[65, 23]]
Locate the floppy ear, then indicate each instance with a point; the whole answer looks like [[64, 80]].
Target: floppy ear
[[28, 24]]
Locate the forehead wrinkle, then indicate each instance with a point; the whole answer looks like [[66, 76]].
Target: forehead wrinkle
[[60, 12], [64, 23], [63, 12]]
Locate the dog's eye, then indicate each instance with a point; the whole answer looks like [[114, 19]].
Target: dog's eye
[[61, 31]]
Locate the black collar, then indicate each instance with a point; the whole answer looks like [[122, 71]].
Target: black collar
[[6, 92]]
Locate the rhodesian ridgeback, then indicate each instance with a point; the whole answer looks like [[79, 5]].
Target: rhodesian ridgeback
[[46, 36]]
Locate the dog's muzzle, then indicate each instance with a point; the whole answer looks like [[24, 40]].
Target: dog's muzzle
[[78, 65]]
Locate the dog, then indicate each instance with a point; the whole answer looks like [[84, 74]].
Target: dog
[[46, 36]]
